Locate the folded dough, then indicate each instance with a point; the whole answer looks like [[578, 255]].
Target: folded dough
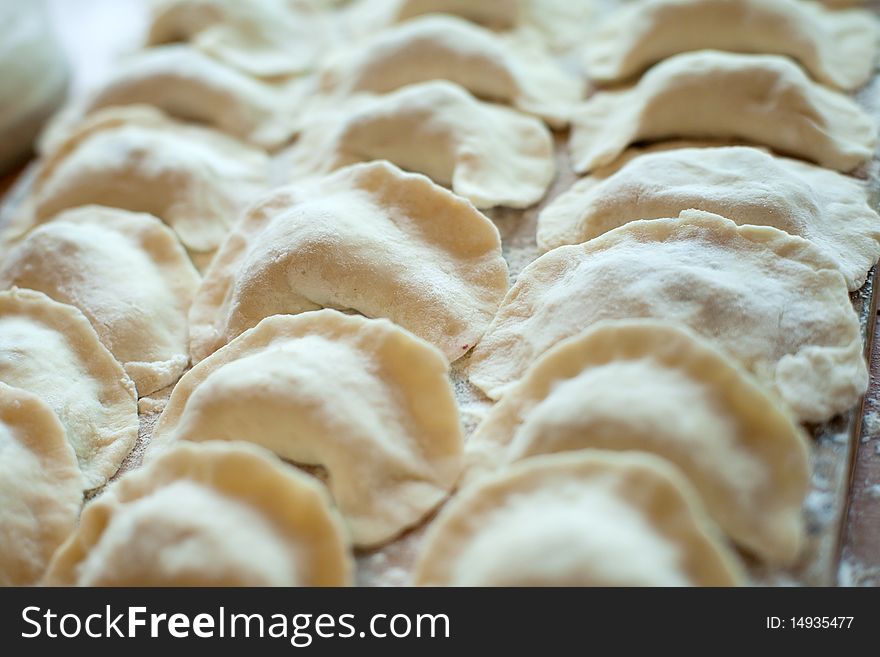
[[770, 300], [490, 155], [656, 387], [196, 180], [591, 518], [837, 48], [447, 48], [188, 85], [266, 38], [746, 185], [369, 238], [129, 276], [559, 24], [207, 515], [364, 399], [50, 349], [762, 99], [40, 486]]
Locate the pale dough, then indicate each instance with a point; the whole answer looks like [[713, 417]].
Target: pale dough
[[50, 349], [135, 158], [837, 48], [772, 301], [40, 486], [188, 85], [208, 515], [762, 99], [367, 401], [265, 38], [441, 47], [591, 518], [369, 238], [490, 155], [746, 185], [644, 385], [129, 276]]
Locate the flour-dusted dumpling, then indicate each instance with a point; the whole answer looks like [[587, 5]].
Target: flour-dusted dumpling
[[135, 158], [656, 387], [591, 518], [448, 48], [560, 24], [362, 398], [838, 48], [207, 515], [762, 99], [129, 276], [191, 86], [50, 349], [266, 38], [40, 486], [746, 185], [772, 301], [489, 154], [368, 238]]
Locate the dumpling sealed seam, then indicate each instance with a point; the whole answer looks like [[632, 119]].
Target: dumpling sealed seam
[[837, 48], [590, 518], [488, 154], [207, 515], [369, 238], [446, 48], [772, 301], [746, 185], [135, 158], [51, 350], [40, 486], [367, 401], [127, 273], [643, 385], [761, 99]]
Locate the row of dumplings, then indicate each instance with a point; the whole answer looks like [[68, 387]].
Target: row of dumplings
[[638, 340], [373, 406], [443, 81]]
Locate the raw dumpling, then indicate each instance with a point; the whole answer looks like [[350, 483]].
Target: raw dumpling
[[770, 300], [129, 276], [363, 399], [135, 158], [838, 48], [560, 24], [655, 387], [50, 349], [207, 515], [368, 238], [591, 518], [746, 185], [266, 38], [448, 48], [488, 154], [40, 486], [763, 99], [191, 86]]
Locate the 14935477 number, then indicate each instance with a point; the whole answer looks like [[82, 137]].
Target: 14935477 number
[[810, 622]]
